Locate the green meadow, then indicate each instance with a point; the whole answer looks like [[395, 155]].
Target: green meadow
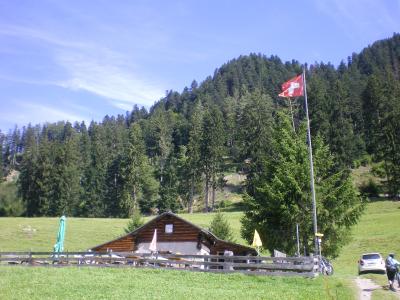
[[39, 234], [376, 232], [101, 283]]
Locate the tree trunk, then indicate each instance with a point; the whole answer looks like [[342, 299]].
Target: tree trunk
[[190, 206], [207, 194], [213, 198], [134, 200]]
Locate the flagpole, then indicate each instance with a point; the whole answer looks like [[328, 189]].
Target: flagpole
[[314, 204], [291, 112]]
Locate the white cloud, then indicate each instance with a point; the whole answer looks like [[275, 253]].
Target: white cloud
[[34, 34], [103, 74], [39, 113], [93, 68], [355, 17], [27, 80]]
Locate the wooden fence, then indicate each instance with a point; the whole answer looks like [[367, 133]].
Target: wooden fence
[[255, 265]]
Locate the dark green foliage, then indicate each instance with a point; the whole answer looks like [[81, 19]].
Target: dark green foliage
[[254, 127], [139, 185], [212, 150], [191, 157], [179, 151], [370, 189], [11, 204], [279, 197], [382, 111], [220, 227], [135, 222], [169, 196]]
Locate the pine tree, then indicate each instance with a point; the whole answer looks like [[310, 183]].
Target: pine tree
[[95, 186], [140, 186], [382, 114], [169, 197], [193, 164], [27, 183], [220, 227], [212, 150], [135, 222], [280, 197]]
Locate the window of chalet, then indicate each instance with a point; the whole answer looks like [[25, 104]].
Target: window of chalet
[[169, 228]]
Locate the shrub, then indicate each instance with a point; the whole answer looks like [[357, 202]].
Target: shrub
[[220, 227], [10, 202], [135, 222], [370, 189], [224, 203]]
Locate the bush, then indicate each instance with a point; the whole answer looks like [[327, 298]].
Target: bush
[[365, 160], [224, 203], [370, 189], [378, 170], [11, 204], [135, 222], [220, 227]]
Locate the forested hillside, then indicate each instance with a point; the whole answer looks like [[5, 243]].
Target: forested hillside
[[179, 150]]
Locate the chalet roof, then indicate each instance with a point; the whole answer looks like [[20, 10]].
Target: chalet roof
[[165, 214]]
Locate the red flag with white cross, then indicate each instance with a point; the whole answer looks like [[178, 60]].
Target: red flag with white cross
[[293, 87]]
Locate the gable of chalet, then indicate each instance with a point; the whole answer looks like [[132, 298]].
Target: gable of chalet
[[182, 231]]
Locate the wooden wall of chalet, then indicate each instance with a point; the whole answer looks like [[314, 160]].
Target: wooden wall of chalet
[[124, 244], [221, 246], [182, 231]]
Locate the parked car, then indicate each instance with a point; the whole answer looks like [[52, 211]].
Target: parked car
[[371, 262]]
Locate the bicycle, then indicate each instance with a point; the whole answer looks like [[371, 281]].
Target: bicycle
[[325, 266], [397, 276]]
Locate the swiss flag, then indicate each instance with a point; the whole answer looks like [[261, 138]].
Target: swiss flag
[[293, 88]]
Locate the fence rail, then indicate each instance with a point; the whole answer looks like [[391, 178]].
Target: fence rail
[[255, 265]]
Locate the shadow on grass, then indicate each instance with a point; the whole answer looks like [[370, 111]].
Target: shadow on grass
[[379, 199], [372, 272], [237, 206], [234, 188]]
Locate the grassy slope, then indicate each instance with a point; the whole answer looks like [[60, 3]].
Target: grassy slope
[[39, 234], [377, 231], [113, 283], [96, 283]]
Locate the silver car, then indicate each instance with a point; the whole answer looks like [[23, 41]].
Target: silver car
[[371, 262]]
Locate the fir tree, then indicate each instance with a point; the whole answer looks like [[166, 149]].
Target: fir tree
[[212, 150], [280, 195], [139, 184], [220, 227], [135, 222]]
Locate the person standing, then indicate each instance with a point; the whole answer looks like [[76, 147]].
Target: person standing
[[391, 269]]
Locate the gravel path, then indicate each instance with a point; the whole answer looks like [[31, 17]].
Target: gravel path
[[366, 286]]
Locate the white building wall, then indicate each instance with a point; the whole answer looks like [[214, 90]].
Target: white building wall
[[175, 247]]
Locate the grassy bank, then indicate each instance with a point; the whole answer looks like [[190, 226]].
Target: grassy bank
[[376, 232], [39, 234], [96, 283]]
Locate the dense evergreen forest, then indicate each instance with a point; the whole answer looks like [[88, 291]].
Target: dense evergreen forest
[[178, 152]]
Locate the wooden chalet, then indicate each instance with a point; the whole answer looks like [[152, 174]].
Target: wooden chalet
[[174, 235]]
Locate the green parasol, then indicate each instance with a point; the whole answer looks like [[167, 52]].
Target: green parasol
[[59, 246]]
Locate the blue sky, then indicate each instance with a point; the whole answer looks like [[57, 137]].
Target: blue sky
[[80, 60]]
